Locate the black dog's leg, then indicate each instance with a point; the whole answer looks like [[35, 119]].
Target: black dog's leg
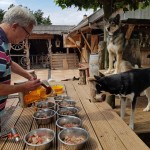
[[133, 104], [123, 106]]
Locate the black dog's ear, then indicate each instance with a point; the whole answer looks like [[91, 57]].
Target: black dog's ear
[[101, 74], [97, 78], [117, 18]]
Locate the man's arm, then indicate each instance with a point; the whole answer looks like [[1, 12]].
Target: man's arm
[[20, 71], [6, 89]]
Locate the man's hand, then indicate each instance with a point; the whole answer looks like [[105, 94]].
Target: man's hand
[[31, 85]]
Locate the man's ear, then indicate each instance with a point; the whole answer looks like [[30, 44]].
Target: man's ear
[[14, 25]]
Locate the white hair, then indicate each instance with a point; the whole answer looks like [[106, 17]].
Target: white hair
[[20, 15]]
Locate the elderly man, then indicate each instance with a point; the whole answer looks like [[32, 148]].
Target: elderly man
[[16, 26]]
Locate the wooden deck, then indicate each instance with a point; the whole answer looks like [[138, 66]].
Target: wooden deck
[[107, 130]]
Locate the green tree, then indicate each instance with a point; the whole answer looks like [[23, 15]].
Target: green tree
[[40, 19], [1, 14], [47, 21], [39, 16], [109, 6]]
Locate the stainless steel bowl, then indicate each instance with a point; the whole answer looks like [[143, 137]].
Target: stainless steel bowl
[[40, 132], [61, 97], [45, 104], [68, 122], [44, 116], [67, 103], [67, 111], [73, 133]]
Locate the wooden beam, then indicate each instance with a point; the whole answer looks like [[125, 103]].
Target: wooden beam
[[86, 42], [72, 40], [129, 31]]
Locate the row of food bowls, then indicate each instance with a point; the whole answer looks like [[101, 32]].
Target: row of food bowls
[[71, 134], [42, 138], [52, 105]]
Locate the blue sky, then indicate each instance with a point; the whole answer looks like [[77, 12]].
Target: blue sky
[[69, 16]]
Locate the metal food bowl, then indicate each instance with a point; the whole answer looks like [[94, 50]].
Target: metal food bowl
[[44, 116], [67, 111], [67, 103], [45, 104], [68, 122], [61, 97], [50, 135], [70, 136]]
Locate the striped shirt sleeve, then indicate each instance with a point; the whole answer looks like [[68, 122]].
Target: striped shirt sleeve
[[3, 61]]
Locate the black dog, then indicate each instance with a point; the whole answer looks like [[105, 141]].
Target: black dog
[[129, 85]]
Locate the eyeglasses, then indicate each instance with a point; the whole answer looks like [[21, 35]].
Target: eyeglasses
[[28, 34]]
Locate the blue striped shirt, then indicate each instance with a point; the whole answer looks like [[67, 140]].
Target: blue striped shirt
[[5, 67]]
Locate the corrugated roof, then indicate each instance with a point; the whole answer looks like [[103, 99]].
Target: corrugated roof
[[137, 14], [51, 29], [140, 14]]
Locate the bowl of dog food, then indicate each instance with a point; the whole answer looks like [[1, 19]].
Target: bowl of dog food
[[66, 103], [39, 139], [67, 111], [61, 97], [44, 116], [58, 89], [45, 104], [68, 122], [73, 138]]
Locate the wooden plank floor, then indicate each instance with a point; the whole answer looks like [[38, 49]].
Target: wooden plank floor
[[142, 119]]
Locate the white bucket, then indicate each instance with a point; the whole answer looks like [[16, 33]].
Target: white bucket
[[94, 64]]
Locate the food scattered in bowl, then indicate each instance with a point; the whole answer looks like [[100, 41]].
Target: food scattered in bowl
[[45, 104], [44, 116], [39, 139], [68, 122], [65, 111], [73, 138], [67, 103], [61, 97]]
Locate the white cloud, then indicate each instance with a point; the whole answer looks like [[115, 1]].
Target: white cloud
[[4, 4], [67, 17]]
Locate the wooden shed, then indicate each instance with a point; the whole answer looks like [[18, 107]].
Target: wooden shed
[[135, 23], [45, 48]]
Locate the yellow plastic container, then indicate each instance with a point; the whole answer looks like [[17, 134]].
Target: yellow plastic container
[[36, 95], [58, 89]]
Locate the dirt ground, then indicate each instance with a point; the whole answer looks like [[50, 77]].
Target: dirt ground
[[54, 74]]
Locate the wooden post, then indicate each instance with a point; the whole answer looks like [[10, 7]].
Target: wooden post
[[82, 76], [86, 42], [92, 86], [111, 100], [49, 45], [101, 53], [27, 47]]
